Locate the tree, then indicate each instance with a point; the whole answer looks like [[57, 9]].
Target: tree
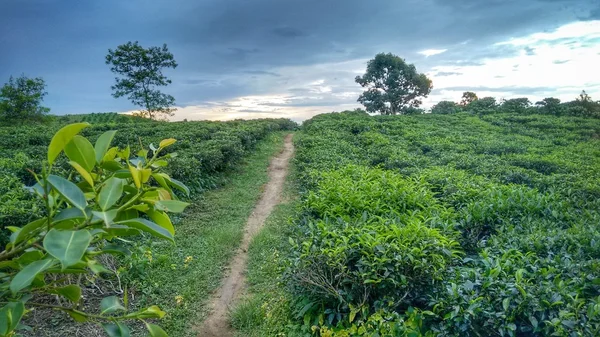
[[585, 101], [392, 85], [445, 107], [21, 98], [484, 105], [142, 73], [467, 98], [516, 105], [550, 105]]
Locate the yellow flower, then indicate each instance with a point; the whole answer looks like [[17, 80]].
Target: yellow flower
[[188, 259], [179, 299]]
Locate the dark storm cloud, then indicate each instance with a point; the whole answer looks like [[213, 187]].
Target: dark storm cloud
[[221, 45], [262, 72], [287, 32]]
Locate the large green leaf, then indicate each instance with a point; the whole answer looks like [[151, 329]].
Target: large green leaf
[[81, 151], [27, 230], [152, 312], [103, 143], [110, 304], [116, 249], [71, 292], [155, 330], [83, 173], [166, 181], [70, 213], [24, 278], [179, 185], [78, 316], [162, 219], [116, 329], [173, 206], [67, 246], [10, 316], [111, 193], [121, 230], [68, 190], [149, 227], [111, 165], [106, 217], [167, 142], [61, 138]]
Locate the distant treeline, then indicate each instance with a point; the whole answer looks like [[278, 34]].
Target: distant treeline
[[583, 106]]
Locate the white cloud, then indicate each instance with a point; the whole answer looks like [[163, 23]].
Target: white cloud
[[253, 107], [431, 52], [580, 29], [559, 63]]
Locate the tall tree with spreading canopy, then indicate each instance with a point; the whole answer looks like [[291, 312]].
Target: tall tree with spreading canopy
[[392, 85], [467, 98], [142, 73], [21, 98]]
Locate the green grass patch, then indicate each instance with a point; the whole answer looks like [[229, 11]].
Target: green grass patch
[[181, 277], [266, 309]]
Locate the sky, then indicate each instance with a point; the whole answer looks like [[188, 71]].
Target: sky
[[298, 58]]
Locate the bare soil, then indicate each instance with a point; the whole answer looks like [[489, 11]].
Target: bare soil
[[234, 282]]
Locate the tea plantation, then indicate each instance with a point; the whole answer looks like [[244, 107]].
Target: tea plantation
[[204, 149], [436, 225]]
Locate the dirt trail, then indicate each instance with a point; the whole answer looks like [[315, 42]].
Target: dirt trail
[[233, 284]]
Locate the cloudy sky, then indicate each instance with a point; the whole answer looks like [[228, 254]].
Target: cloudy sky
[[296, 58]]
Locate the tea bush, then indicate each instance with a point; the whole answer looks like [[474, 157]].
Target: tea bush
[[204, 150], [447, 225]]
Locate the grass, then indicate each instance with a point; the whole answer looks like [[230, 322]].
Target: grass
[[209, 233], [265, 311]]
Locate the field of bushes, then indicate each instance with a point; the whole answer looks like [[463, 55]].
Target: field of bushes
[[204, 149], [442, 225]]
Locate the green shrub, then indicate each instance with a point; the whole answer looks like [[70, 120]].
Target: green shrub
[[521, 190], [370, 263], [350, 192]]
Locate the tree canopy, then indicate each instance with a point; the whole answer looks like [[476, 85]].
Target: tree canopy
[[142, 73], [392, 85], [468, 97], [445, 107], [21, 98]]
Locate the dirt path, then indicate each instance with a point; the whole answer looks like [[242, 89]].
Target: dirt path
[[233, 284]]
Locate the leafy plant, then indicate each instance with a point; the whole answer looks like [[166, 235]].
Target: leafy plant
[[515, 191], [108, 195]]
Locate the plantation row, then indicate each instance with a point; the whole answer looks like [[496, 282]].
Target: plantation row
[[447, 225], [203, 150]]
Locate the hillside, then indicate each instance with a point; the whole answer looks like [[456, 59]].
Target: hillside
[[449, 225]]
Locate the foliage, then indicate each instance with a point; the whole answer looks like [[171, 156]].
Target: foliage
[[142, 72], [468, 97], [482, 105], [550, 105], [445, 107], [582, 106], [515, 105], [21, 99], [392, 85], [107, 196], [513, 192], [205, 150]]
